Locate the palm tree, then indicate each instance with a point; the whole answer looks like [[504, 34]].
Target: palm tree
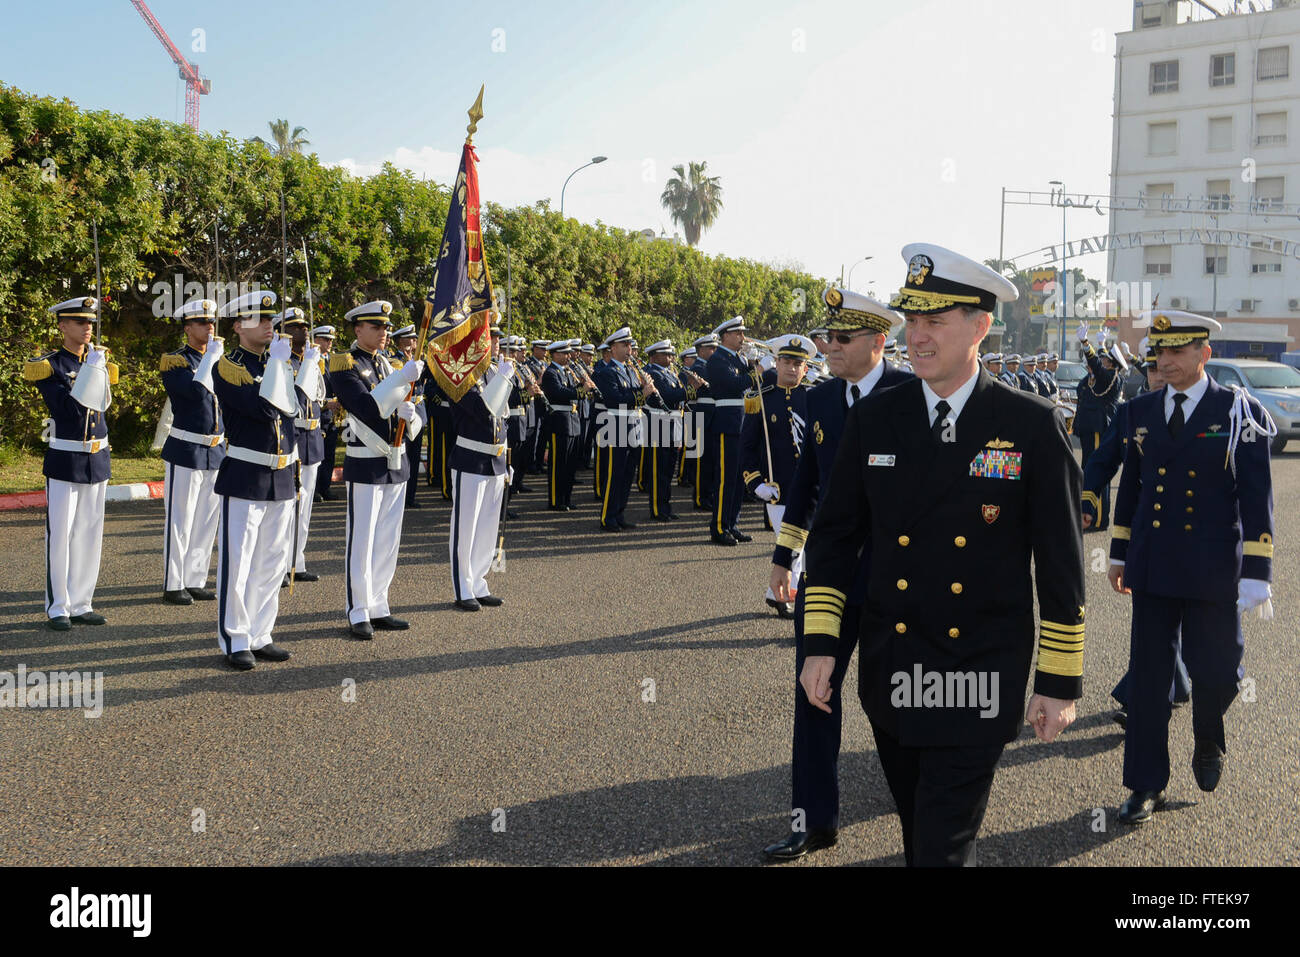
[[284, 141], [693, 200]]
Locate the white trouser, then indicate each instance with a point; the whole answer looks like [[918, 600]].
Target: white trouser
[[775, 513], [252, 558], [475, 517], [192, 510], [74, 534], [305, 496], [374, 532]]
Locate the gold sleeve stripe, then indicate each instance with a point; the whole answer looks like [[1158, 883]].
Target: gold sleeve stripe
[[749, 477], [170, 361], [1260, 549], [113, 372], [34, 370], [792, 537], [825, 593], [1064, 644], [1063, 647], [1092, 499], [823, 606], [233, 372], [1120, 532], [1065, 629], [821, 623], [1058, 663]]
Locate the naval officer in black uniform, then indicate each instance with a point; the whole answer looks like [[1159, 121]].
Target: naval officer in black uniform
[[953, 485], [665, 429], [729, 378]]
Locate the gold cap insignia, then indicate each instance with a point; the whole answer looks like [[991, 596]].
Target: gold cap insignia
[[918, 267], [88, 302], [1161, 323], [834, 297], [266, 300], [387, 308]]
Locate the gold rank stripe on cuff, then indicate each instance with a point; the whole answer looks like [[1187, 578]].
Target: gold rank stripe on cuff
[[1060, 648], [792, 537], [1260, 549], [822, 610], [1092, 499], [750, 477], [1121, 532]]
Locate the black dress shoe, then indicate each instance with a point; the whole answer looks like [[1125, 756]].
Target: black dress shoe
[[523, 488], [673, 516], [202, 594], [1120, 717], [610, 528], [178, 597], [783, 608], [284, 582], [511, 514], [363, 630], [306, 577], [491, 601], [662, 518], [723, 539], [271, 652], [627, 525], [800, 843], [241, 661], [327, 495], [89, 618], [1140, 806], [61, 623], [468, 604], [389, 623], [1207, 765], [740, 536]]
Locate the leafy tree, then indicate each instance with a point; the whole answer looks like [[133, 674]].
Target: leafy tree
[[284, 141], [693, 200]]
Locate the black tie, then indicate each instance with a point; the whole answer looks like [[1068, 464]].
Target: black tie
[[940, 413], [855, 392], [1176, 420]]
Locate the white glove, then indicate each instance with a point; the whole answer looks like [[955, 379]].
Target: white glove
[[1082, 332], [412, 370], [510, 474], [1101, 338], [766, 493], [281, 349], [310, 356], [96, 357], [1253, 593], [216, 348], [505, 368], [406, 410]]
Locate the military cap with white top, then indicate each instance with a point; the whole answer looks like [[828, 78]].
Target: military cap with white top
[[251, 305], [1012, 357], [620, 335], [792, 346], [663, 345], [688, 353], [848, 311], [560, 345], [939, 279], [1171, 327], [197, 310], [541, 342], [82, 307], [708, 339], [406, 332], [588, 348], [293, 316], [377, 311], [734, 324], [993, 357]]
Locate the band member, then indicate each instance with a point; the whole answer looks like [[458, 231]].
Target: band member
[[616, 430], [539, 440], [331, 414], [193, 452], [598, 406], [728, 376], [665, 428], [73, 380], [587, 407], [256, 482], [563, 426], [704, 471], [1098, 400]]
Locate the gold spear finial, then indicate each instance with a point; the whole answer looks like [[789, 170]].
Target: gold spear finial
[[475, 114]]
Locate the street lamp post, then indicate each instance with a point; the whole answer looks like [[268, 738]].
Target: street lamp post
[[594, 161], [855, 266], [1065, 305]]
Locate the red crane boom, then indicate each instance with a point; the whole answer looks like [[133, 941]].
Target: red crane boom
[[195, 82]]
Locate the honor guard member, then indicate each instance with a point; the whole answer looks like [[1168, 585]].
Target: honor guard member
[[1049, 376], [536, 363], [516, 416], [993, 363], [375, 472], [705, 347], [1024, 375], [193, 452], [952, 485], [1098, 400], [855, 360], [621, 393], [665, 429], [309, 386], [442, 438], [480, 474], [257, 482], [729, 378], [774, 436], [1193, 544], [330, 413], [74, 381], [1010, 366], [563, 426], [404, 341]]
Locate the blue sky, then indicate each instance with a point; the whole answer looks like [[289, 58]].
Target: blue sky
[[839, 129]]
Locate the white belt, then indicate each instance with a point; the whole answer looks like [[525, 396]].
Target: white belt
[[703, 399], [197, 438], [675, 413], [308, 424], [75, 445], [726, 402], [519, 412], [268, 459], [601, 408], [363, 452], [485, 447]]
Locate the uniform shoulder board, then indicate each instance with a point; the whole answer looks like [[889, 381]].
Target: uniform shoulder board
[[34, 370], [233, 372], [397, 363], [113, 372], [172, 360], [342, 362], [753, 403]]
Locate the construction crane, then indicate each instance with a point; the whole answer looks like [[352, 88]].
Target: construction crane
[[195, 82]]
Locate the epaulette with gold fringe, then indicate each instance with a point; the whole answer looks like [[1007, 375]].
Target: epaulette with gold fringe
[[753, 403], [34, 370], [341, 362], [113, 372], [233, 372], [172, 360]]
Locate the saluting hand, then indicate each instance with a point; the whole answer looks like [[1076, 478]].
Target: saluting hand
[[815, 679], [1049, 716]]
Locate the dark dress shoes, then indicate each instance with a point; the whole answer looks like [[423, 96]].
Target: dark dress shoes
[[178, 597], [627, 525], [271, 652], [1207, 765], [1140, 806], [202, 594], [783, 608], [306, 577], [389, 623], [740, 536], [1120, 717], [241, 661], [511, 514], [723, 540], [524, 489], [327, 495], [363, 630], [800, 843], [61, 623], [284, 582], [89, 618], [468, 604], [610, 528], [491, 601]]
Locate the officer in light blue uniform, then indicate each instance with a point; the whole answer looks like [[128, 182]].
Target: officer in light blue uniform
[[729, 378], [76, 462], [665, 429], [1193, 542], [194, 450]]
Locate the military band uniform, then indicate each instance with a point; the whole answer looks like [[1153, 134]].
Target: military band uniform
[[664, 442], [728, 377], [614, 433], [538, 438], [563, 434], [331, 425], [786, 412], [1098, 400]]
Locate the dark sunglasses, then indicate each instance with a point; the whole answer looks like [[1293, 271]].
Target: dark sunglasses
[[844, 338]]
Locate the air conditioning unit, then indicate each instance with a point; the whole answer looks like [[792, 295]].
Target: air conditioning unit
[[1178, 302], [1293, 304], [1246, 305]]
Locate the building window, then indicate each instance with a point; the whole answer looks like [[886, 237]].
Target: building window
[[1270, 193], [1274, 64], [1164, 76], [1265, 263], [1219, 194], [1162, 139], [1216, 260], [1158, 260], [1270, 129], [1220, 137], [1223, 69], [1157, 195]]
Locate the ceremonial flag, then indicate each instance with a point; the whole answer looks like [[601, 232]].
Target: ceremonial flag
[[458, 310]]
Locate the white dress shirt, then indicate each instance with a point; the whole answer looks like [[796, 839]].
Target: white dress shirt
[[956, 401], [865, 384], [1193, 393]]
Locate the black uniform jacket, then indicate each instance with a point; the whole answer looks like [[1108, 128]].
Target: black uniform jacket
[[194, 409]]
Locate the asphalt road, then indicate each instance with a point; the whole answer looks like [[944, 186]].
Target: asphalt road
[[521, 735]]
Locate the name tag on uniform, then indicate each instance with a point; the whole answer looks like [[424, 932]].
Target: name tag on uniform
[[996, 463], [877, 459]]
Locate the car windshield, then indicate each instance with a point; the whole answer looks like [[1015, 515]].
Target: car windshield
[[1272, 377], [1070, 372]]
